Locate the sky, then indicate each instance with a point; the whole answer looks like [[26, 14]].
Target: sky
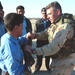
[[33, 7]]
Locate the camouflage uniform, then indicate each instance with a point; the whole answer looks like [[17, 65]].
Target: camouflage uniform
[[57, 34]]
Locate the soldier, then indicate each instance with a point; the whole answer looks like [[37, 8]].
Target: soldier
[[60, 36]]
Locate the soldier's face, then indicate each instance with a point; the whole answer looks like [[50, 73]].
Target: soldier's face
[[52, 14]]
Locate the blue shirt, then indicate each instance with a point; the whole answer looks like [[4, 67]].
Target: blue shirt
[[44, 23], [11, 55]]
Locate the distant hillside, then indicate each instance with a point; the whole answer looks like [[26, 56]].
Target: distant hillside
[[34, 18], [74, 17]]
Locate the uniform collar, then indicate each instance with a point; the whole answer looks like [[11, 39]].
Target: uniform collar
[[59, 19]]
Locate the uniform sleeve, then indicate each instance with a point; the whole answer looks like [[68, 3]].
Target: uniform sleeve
[[43, 35], [61, 34]]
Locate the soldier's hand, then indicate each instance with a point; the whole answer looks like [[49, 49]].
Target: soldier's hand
[[30, 35]]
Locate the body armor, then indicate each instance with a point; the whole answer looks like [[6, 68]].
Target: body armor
[[68, 47]]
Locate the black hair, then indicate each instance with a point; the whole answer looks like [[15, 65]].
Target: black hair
[[20, 7], [11, 20], [43, 9]]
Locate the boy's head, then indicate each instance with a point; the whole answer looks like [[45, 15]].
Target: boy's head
[[13, 24], [11, 20]]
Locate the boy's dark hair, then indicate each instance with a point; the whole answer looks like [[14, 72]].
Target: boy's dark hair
[[11, 20], [54, 5], [20, 7]]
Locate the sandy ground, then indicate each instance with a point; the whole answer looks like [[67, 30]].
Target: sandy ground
[[43, 70]]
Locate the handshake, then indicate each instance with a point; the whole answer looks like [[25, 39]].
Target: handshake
[[28, 51], [31, 35]]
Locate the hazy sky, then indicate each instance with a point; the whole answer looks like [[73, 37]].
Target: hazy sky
[[33, 7]]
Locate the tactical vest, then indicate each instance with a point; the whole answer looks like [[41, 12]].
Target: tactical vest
[[69, 46]]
